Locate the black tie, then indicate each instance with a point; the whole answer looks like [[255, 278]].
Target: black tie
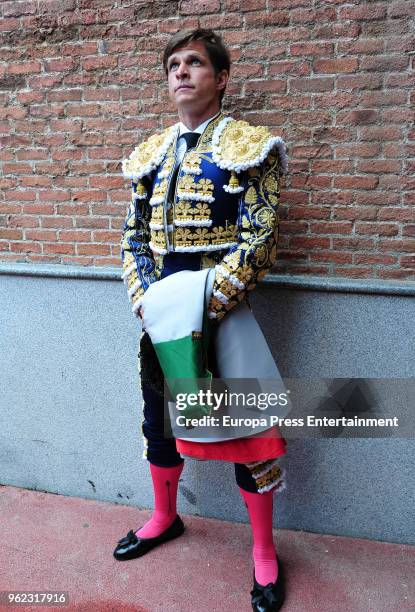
[[191, 139]]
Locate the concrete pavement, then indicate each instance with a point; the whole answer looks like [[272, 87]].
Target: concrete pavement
[[59, 543]]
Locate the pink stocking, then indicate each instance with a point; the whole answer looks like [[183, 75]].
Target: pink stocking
[[259, 506], [165, 484]]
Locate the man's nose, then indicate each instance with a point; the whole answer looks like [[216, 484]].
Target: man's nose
[[181, 70]]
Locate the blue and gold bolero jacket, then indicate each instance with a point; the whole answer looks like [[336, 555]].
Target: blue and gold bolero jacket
[[225, 206]]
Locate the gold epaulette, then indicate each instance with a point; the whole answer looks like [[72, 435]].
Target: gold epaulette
[[149, 154], [237, 145]]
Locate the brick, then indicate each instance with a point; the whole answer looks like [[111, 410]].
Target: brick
[[221, 22], [26, 68], [332, 256], [335, 66], [19, 195], [58, 247], [304, 212], [408, 261], [23, 221], [308, 242], [369, 258], [331, 227], [9, 25], [57, 222], [66, 125], [244, 5], [353, 272], [92, 222], [384, 63], [358, 81], [43, 258], [89, 196], [397, 245], [60, 65], [197, 7], [17, 9], [11, 234], [312, 84], [93, 249], [38, 208], [265, 85], [107, 182], [108, 261], [19, 168], [355, 212], [401, 273], [26, 247], [72, 209], [382, 229], [312, 48], [75, 236], [54, 195], [99, 62], [364, 12], [355, 182], [101, 94], [82, 48], [65, 95], [40, 235], [106, 236], [83, 110], [78, 261], [353, 243], [361, 46]]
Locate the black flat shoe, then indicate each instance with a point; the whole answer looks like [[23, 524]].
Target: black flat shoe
[[132, 547], [269, 598]]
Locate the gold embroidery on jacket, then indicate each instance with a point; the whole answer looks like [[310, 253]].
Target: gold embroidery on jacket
[[252, 258]]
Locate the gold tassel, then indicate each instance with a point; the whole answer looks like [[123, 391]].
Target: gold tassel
[[140, 190], [233, 185]]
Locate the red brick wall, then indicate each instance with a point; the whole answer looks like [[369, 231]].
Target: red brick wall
[[81, 84]]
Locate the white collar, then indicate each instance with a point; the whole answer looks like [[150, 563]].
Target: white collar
[[199, 129]]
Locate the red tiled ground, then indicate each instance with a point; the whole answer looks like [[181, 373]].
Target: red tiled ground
[[53, 542]]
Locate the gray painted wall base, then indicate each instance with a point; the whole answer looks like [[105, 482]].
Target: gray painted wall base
[[71, 409]]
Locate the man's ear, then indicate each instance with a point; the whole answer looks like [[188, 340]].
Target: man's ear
[[221, 79]]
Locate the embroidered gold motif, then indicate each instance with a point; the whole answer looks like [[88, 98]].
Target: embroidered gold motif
[[200, 236], [251, 196], [241, 143], [148, 153], [157, 214], [158, 239], [186, 184], [191, 163], [167, 167], [159, 192], [205, 186], [251, 259], [184, 211]]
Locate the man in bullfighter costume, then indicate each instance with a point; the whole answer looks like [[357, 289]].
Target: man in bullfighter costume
[[205, 194]]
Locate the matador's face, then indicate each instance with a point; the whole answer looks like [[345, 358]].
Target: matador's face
[[191, 77]]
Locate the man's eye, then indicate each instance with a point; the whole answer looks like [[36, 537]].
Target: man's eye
[[172, 65], [195, 59]]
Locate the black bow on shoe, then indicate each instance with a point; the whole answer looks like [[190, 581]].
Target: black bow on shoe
[[130, 538], [269, 598], [132, 546], [265, 597]]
